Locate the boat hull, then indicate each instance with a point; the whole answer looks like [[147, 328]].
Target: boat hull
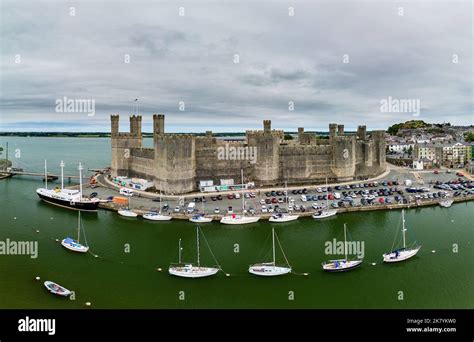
[[402, 255], [57, 289], [341, 265], [157, 217], [239, 220], [268, 270], [82, 206], [201, 219], [127, 213], [75, 247], [192, 272], [286, 218], [325, 214]]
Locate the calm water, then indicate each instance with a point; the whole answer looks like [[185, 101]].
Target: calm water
[[130, 280]]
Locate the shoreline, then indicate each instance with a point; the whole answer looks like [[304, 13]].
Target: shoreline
[[265, 216]]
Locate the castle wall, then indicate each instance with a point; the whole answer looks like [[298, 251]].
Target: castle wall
[[305, 164], [142, 162], [177, 162]]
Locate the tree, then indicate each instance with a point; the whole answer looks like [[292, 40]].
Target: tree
[[288, 137]]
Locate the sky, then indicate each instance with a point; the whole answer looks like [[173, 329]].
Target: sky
[[228, 65]]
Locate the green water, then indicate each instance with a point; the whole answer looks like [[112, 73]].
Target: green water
[[118, 279]]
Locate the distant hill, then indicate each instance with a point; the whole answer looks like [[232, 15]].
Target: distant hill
[[416, 124]]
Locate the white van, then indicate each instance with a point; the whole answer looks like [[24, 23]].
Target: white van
[[191, 207], [126, 192]]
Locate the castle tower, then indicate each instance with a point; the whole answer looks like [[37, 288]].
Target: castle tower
[[300, 133], [332, 130], [158, 124], [340, 130], [267, 126], [136, 125], [114, 122], [267, 144], [362, 132], [122, 143], [175, 163], [378, 138]]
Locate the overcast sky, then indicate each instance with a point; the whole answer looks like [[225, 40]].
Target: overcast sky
[[191, 58]]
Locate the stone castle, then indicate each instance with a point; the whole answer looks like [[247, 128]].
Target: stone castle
[[178, 162]]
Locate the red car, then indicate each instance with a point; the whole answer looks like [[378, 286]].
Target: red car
[[230, 196], [459, 174], [274, 200], [381, 200], [331, 196], [435, 172]]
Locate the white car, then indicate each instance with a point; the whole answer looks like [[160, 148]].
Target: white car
[[262, 201], [217, 210], [237, 195], [177, 209], [319, 190], [337, 195], [270, 209], [264, 209], [126, 192], [315, 206], [304, 198]]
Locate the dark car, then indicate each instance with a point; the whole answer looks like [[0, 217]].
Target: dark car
[[219, 197]]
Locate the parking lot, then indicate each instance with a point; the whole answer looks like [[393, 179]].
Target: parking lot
[[399, 186]]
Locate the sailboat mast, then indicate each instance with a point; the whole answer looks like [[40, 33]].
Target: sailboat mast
[[179, 251], [242, 194], [80, 168], [345, 242], [197, 240], [62, 174], [45, 174], [79, 226], [273, 242], [403, 229]]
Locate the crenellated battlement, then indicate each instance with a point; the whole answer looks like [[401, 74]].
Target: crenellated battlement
[[178, 161]]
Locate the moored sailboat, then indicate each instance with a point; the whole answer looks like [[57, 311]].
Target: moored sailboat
[[404, 252], [75, 245], [189, 270], [240, 219], [283, 217], [326, 212], [341, 265], [269, 269]]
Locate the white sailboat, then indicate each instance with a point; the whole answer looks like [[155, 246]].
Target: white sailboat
[[75, 245], [188, 270], [240, 219], [403, 253], [156, 216], [446, 203], [270, 269], [327, 212], [342, 264], [283, 217], [201, 217], [126, 212]]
